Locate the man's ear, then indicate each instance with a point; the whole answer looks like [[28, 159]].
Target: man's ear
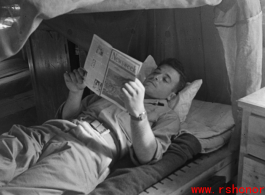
[[171, 96]]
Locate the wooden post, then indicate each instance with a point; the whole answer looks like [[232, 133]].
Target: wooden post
[[48, 59]]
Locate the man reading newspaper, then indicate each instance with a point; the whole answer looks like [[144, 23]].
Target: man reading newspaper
[[74, 153]]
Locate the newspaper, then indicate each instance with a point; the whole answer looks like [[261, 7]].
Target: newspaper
[[108, 69]]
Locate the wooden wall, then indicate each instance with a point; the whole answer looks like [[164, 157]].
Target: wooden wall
[[187, 34], [16, 95], [48, 59]]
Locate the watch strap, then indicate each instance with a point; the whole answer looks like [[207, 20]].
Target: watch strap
[[140, 117]]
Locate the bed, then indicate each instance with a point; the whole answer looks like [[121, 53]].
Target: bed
[[188, 162], [230, 18]]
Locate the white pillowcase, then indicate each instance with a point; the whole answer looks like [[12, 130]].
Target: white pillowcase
[[182, 102]]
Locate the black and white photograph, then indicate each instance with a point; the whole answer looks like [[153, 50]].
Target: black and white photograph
[[133, 97]]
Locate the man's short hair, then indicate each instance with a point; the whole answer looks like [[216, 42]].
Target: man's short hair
[[176, 64]]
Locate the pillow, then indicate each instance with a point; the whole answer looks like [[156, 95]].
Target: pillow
[[211, 123], [182, 102]]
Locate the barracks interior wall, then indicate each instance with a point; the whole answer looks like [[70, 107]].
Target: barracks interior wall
[[187, 34]]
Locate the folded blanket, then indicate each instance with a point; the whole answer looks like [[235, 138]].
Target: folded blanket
[[127, 179]]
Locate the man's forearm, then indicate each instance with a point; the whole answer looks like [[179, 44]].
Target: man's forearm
[[144, 142], [72, 105]]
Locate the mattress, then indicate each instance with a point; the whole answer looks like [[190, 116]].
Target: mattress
[[211, 123]]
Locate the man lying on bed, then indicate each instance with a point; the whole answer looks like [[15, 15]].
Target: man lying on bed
[[74, 153]]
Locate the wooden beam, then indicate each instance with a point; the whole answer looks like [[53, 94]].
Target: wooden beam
[[16, 103], [48, 60], [194, 174]]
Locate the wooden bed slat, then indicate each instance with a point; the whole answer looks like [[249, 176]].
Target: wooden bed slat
[[219, 163]]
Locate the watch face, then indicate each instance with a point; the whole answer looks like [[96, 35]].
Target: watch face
[[142, 116]]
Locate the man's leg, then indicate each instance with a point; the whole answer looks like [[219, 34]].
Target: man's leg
[[66, 165], [21, 147]]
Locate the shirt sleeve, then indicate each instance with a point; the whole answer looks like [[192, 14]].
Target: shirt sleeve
[[59, 112], [88, 100], [85, 102], [164, 128]]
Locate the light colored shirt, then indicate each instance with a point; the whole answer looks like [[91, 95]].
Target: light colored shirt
[[163, 121]]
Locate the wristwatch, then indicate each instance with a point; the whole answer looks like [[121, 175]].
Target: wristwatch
[[140, 117]]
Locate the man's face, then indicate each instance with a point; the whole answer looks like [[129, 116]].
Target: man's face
[[161, 83]]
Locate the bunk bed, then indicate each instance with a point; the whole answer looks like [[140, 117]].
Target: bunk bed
[[186, 164], [231, 18]]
